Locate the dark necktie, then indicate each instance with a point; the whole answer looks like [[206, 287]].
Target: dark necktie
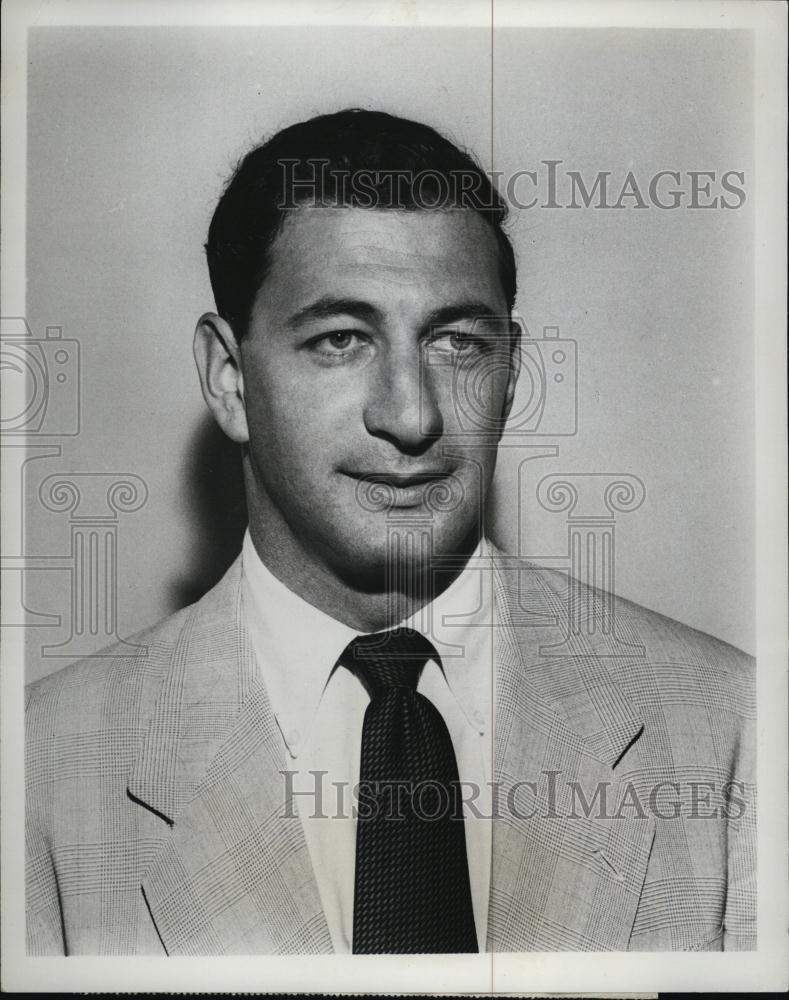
[[412, 892]]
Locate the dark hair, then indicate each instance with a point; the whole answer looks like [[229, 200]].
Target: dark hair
[[353, 158]]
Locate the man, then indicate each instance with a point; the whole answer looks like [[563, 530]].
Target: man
[[377, 733]]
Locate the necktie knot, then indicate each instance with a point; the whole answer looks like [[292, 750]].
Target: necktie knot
[[390, 659]]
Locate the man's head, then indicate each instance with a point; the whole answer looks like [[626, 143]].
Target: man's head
[[362, 352], [355, 159]]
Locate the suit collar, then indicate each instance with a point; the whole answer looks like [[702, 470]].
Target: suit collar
[[212, 672], [234, 875], [562, 879], [573, 678]]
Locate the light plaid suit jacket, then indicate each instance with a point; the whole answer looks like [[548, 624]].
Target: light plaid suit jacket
[[155, 803]]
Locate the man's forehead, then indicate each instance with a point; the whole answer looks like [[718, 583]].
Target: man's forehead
[[433, 230], [390, 245]]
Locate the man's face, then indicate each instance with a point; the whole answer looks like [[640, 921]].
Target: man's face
[[375, 385]]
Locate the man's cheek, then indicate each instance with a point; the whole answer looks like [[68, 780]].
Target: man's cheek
[[285, 412], [471, 397]]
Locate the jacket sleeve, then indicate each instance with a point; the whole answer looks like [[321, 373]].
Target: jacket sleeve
[[739, 925], [44, 921], [44, 924]]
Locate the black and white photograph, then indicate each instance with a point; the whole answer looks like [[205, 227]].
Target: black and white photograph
[[394, 496]]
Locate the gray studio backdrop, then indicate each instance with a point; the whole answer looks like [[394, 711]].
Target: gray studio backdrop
[[131, 135]]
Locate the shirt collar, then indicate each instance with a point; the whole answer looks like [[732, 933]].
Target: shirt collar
[[297, 645], [458, 623]]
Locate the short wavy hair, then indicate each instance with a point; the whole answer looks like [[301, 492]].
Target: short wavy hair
[[352, 158]]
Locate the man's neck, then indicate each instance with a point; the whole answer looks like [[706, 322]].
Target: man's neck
[[366, 608]]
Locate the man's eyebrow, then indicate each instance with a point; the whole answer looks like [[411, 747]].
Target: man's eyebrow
[[462, 311], [328, 306]]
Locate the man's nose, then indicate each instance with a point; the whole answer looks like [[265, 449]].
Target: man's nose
[[402, 405]]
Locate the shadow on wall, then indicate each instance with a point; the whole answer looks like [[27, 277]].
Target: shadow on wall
[[217, 509]]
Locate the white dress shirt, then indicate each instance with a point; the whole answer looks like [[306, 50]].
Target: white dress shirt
[[320, 709]]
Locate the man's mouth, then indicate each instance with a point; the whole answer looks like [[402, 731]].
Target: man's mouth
[[385, 490]]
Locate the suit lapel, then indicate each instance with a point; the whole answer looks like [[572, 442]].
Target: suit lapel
[[569, 858], [234, 876]]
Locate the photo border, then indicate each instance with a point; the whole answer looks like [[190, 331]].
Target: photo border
[[498, 973]]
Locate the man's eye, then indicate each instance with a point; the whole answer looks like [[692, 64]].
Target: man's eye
[[458, 341], [338, 342]]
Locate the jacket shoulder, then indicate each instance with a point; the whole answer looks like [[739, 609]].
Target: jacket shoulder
[[114, 691], [670, 652], [117, 682]]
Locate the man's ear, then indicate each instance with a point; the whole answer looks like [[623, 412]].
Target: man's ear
[[218, 361], [515, 369]]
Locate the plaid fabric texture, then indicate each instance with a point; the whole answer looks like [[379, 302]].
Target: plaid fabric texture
[[625, 802]]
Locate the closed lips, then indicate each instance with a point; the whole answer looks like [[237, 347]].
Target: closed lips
[[399, 480]]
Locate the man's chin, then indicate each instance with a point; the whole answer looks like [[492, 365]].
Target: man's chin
[[405, 555]]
